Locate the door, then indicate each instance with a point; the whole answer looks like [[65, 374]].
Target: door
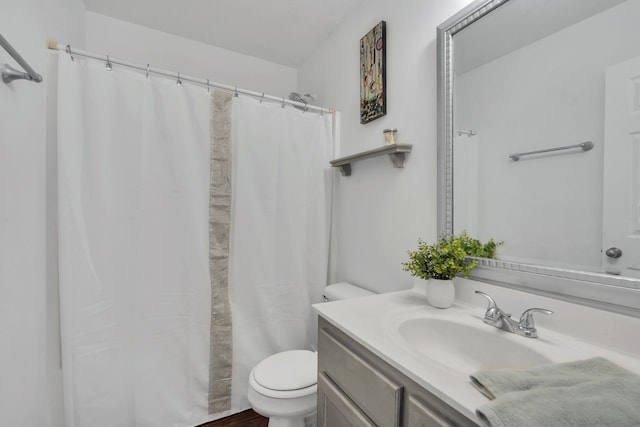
[[335, 409], [421, 416], [621, 192]]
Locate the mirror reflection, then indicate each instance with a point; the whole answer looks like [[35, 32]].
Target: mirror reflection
[[546, 74]]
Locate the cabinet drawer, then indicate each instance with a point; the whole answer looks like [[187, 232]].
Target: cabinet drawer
[[375, 394], [335, 410], [421, 416]]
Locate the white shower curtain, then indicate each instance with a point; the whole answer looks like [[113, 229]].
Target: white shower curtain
[[133, 189], [280, 231]]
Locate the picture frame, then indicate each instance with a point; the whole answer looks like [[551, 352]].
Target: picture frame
[[373, 72]]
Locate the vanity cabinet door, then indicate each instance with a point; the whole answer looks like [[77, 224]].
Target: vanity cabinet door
[[379, 397], [335, 410], [421, 416]]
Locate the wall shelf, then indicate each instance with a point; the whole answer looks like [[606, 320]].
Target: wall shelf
[[396, 153]]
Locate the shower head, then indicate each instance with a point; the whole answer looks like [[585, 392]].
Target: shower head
[[295, 96]]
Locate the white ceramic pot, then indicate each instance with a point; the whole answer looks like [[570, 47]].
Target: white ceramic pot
[[440, 293]]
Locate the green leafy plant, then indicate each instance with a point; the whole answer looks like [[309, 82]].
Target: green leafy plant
[[448, 256], [474, 247]]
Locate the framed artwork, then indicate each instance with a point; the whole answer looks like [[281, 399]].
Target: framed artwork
[[373, 70]]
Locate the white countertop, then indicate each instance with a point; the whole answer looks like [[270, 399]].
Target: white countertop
[[373, 322]]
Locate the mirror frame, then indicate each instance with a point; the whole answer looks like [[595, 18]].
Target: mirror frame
[[603, 291]]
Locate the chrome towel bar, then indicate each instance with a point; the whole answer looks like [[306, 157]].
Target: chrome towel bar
[[9, 73], [586, 146]]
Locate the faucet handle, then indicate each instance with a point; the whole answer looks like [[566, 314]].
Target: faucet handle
[[526, 323], [492, 302], [526, 320], [493, 311]]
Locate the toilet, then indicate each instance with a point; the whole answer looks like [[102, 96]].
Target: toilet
[[283, 387]]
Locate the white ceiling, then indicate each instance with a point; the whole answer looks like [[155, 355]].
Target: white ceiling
[[283, 31]]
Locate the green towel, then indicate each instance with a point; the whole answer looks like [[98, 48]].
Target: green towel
[[594, 392]]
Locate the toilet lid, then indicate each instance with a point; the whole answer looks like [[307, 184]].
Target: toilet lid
[[289, 370]]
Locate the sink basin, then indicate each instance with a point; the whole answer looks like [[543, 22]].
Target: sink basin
[[468, 348]]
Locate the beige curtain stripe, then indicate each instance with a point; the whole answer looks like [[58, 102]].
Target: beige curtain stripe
[[221, 347]]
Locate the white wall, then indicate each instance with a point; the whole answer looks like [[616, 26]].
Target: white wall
[[140, 44], [30, 387], [551, 93], [382, 210]]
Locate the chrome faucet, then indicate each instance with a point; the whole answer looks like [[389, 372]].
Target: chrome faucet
[[501, 320]]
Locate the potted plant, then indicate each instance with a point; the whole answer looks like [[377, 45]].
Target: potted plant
[[440, 262]]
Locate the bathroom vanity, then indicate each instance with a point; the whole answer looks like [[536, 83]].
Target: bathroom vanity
[[357, 388], [392, 360]]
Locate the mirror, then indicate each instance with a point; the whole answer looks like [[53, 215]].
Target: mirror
[[539, 143]]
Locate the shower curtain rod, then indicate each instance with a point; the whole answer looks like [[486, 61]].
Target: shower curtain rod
[[182, 78]]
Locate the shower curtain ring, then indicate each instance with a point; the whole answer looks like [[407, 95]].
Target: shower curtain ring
[[208, 86], [262, 98], [147, 70], [108, 66], [179, 82], [68, 49], [282, 103], [235, 91]]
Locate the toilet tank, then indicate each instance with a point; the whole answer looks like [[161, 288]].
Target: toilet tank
[[344, 290]]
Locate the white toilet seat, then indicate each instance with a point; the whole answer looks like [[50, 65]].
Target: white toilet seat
[[287, 375], [281, 394]]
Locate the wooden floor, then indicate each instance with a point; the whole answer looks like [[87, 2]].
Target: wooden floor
[[243, 419]]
